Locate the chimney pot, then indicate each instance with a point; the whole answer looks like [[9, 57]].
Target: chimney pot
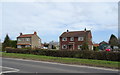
[[67, 30], [35, 33], [85, 30], [20, 33]]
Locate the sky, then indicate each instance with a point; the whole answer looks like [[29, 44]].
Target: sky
[[51, 19], [119, 20]]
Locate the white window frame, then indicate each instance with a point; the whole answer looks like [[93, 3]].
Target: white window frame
[[71, 38], [27, 39], [39, 41], [19, 39], [27, 46], [64, 46], [80, 38], [64, 39], [19, 46]]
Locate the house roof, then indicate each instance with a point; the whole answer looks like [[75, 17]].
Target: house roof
[[75, 33], [96, 45], [103, 42], [26, 35]]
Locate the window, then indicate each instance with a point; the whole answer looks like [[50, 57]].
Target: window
[[64, 46], [19, 46], [90, 39], [27, 39], [27, 46], [39, 41], [72, 39], [80, 38], [64, 39], [19, 39], [79, 47]]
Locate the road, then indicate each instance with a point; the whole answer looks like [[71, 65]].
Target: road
[[30, 66]]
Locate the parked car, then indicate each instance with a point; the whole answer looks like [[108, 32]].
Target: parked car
[[107, 49]]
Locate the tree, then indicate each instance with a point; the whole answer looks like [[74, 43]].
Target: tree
[[113, 41], [6, 42], [96, 48], [85, 46], [13, 43], [85, 43]]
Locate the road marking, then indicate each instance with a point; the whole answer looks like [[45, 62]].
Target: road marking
[[9, 68], [65, 64]]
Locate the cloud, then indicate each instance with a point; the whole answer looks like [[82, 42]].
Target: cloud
[[0, 20], [59, 1], [50, 19]]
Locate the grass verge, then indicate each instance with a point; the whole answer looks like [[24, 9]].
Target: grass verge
[[89, 62]]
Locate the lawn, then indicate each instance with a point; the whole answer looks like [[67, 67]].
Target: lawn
[[90, 62]]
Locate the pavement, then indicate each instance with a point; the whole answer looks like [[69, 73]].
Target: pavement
[[13, 65]]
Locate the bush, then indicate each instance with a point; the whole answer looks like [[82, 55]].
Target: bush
[[98, 55]]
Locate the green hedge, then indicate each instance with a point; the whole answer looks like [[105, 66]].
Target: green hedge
[[101, 55]]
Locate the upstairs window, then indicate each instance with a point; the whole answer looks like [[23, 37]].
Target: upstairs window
[[64, 39], [39, 41], [27, 39], [80, 38], [72, 39], [19, 39]]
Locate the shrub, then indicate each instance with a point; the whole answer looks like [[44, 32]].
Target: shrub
[[98, 55]]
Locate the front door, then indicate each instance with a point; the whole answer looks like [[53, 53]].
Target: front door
[[70, 47]]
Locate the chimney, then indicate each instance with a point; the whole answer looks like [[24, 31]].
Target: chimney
[[67, 30], [85, 29], [20, 34], [35, 33]]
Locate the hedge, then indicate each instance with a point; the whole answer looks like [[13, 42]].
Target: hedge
[[98, 55]]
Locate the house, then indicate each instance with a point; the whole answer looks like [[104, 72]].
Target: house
[[103, 45], [28, 40], [53, 45], [95, 46], [45, 45], [73, 40]]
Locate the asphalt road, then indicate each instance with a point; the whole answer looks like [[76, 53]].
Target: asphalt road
[[10, 65]]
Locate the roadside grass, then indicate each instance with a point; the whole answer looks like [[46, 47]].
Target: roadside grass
[[0, 54], [88, 62]]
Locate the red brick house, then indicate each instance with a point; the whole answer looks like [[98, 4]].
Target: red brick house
[[73, 40]]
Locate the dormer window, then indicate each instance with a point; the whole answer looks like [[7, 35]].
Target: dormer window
[[80, 38], [64, 39], [72, 39]]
